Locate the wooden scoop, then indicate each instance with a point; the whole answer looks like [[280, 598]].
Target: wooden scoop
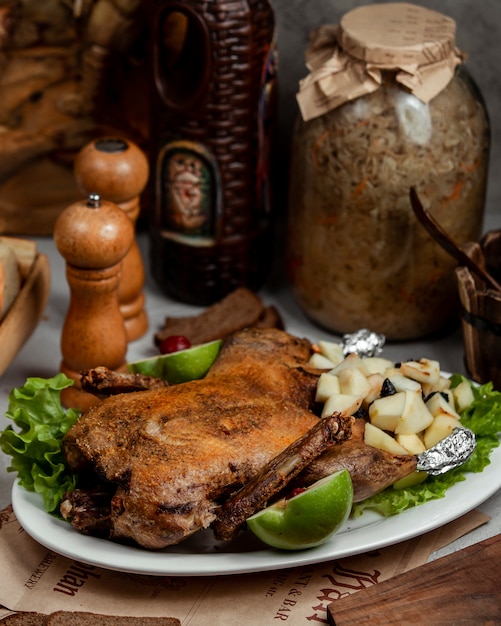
[[443, 239]]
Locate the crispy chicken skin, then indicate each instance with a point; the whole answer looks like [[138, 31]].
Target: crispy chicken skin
[[255, 494], [171, 459], [175, 452], [371, 469]]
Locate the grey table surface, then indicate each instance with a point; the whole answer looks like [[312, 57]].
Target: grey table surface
[[40, 356]]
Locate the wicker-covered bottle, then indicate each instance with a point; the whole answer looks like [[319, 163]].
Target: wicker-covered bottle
[[213, 111]]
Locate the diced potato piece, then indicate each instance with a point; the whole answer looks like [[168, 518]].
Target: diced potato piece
[[377, 438], [415, 416], [403, 383], [441, 427], [327, 385], [353, 382], [341, 403], [375, 383], [332, 351], [424, 370], [319, 361], [463, 395], [412, 443], [376, 364], [350, 361], [385, 413], [438, 405]]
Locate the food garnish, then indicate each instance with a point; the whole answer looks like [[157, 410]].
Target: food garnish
[[410, 407], [180, 366], [174, 343], [36, 448], [308, 518]]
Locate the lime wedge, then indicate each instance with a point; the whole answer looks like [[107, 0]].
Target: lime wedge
[[415, 478], [307, 519], [181, 366]]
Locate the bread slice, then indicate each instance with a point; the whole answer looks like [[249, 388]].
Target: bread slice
[[83, 618], [10, 277], [24, 619], [240, 309]]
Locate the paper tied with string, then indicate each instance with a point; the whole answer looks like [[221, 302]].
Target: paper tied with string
[[349, 60]]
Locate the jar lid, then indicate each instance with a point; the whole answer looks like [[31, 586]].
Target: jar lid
[[347, 61], [397, 34]]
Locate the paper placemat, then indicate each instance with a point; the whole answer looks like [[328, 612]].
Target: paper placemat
[[37, 579]]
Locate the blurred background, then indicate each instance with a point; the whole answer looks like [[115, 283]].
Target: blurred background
[[57, 94], [478, 25]]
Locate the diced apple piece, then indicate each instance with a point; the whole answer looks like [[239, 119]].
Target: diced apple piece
[[442, 384], [412, 443], [403, 383], [320, 362], [353, 382], [424, 370], [375, 383], [377, 438], [438, 405], [385, 413], [415, 478], [376, 364], [449, 397], [350, 361], [463, 395], [441, 427], [391, 371], [415, 416], [341, 403], [327, 385], [332, 351]]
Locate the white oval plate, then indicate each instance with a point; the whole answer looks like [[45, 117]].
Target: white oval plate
[[201, 555]]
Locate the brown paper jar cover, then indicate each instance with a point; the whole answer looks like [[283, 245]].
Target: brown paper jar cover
[[382, 122]]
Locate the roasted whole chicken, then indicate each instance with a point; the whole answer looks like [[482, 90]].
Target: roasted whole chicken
[[161, 464]]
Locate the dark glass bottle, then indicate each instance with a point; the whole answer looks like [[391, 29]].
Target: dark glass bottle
[[213, 111]]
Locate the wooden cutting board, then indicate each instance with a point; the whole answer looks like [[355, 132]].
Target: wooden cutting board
[[461, 588]]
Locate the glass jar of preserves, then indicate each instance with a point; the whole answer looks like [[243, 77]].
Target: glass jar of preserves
[[388, 105]]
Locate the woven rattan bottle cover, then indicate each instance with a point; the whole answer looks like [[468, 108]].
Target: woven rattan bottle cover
[[214, 108]]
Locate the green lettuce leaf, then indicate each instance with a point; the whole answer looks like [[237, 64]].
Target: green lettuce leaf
[[36, 447], [483, 417]]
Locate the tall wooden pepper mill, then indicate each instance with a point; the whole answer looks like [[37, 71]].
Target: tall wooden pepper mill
[[118, 171], [93, 236]]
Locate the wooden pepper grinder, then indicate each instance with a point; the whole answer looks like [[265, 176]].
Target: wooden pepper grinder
[[118, 171], [93, 236]]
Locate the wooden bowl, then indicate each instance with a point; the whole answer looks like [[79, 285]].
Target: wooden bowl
[[25, 312]]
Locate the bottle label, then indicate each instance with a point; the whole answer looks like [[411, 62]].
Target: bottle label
[[188, 193]]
